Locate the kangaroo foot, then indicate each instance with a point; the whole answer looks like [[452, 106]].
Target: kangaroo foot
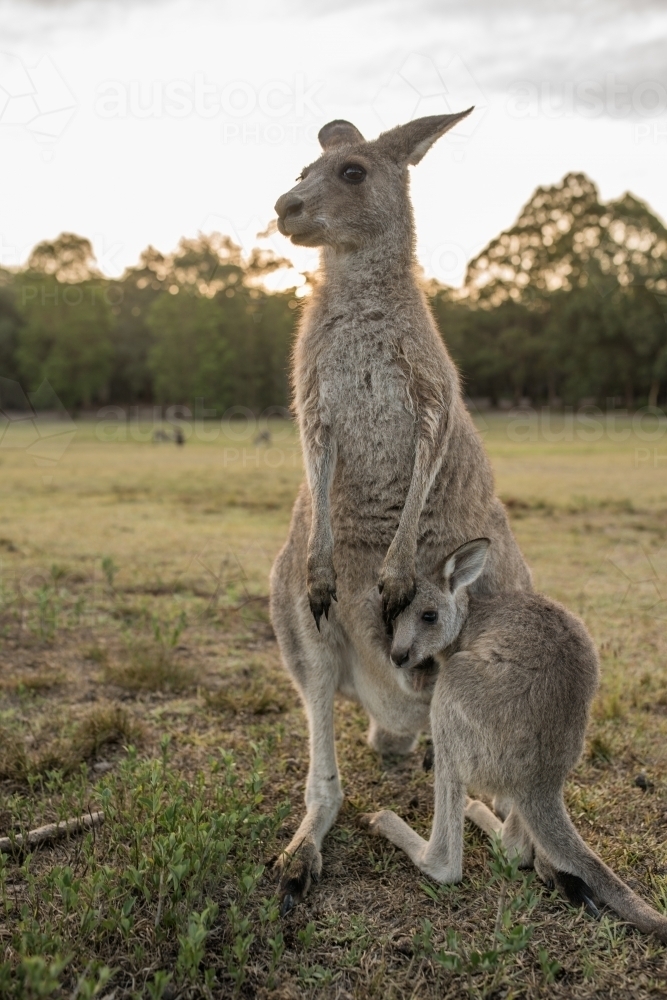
[[297, 872]]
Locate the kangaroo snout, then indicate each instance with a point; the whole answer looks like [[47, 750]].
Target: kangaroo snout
[[400, 656], [288, 204]]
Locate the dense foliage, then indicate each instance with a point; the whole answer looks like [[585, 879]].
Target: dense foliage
[[570, 304]]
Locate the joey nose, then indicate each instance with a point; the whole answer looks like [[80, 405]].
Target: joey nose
[[288, 204], [400, 656]]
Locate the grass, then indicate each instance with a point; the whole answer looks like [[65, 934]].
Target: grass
[[104, 726], [139, 675], [150, 666]]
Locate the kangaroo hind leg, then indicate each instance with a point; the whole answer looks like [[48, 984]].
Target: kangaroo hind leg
[[515, 837], [441, 857], [517, 840], [314, 669]]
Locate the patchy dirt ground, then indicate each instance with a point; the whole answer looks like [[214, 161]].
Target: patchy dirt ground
[[133, 614]]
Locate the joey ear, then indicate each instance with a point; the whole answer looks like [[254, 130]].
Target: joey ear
[[408, 143], [337, 132], [465, 564]]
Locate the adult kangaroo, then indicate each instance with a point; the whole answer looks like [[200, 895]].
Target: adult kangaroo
[[396, 475]]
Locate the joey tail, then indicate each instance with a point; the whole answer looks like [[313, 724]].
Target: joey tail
[[554, 833]]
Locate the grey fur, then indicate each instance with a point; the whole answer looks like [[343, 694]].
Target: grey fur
[[396, 475], [515, 675]]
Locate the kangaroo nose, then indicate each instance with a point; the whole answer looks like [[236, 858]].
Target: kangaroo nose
[[400, 656], [288, 204]]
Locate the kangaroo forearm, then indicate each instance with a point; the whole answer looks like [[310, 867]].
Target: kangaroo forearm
[[428, 462], [320, 468]]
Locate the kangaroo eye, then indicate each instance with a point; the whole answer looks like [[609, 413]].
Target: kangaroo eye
[[430, 616], [353, 173]]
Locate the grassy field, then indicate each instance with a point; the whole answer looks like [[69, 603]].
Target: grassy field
[[139, 675]]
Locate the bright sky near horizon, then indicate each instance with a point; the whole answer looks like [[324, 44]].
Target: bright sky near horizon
[[140, 121]]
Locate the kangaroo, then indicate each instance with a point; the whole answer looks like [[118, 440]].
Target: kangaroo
[[396, 475], [513, 676]]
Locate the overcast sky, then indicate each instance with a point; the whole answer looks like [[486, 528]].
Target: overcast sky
[[139, 122]]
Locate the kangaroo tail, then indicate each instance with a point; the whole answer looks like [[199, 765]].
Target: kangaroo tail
[[554, 833]]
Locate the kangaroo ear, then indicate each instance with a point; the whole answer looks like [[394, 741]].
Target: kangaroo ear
[[408, 143], [465, 564], [338, 132]]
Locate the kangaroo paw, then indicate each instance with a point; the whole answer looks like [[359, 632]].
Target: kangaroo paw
[[397, 592], [321, 592]]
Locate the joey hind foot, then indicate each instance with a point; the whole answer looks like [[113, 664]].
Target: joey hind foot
[[321, 591], [573, 888], [297, 872], [397, 589], [374, 822], [387, 824]]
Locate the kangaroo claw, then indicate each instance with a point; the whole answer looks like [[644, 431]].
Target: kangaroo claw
[[320, 594]]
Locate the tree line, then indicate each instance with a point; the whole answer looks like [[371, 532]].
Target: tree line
[[567, 306]]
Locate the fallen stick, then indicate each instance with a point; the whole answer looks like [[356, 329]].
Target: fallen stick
[[52, 831]]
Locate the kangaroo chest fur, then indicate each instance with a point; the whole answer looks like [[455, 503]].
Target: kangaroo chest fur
[[363, 396]]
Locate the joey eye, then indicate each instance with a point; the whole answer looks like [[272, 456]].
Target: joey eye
[[353, 173], [430, 616]]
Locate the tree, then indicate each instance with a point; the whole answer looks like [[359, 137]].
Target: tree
[[10, 322], [65, 337], [190, 356], [566, 238], [69, 258], [218, 334]]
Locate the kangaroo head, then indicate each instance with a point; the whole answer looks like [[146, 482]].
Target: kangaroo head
[[358, 190], [435, 616]]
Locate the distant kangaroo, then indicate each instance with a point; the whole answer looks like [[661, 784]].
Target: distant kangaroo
[[396, 473], [513, 677]]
